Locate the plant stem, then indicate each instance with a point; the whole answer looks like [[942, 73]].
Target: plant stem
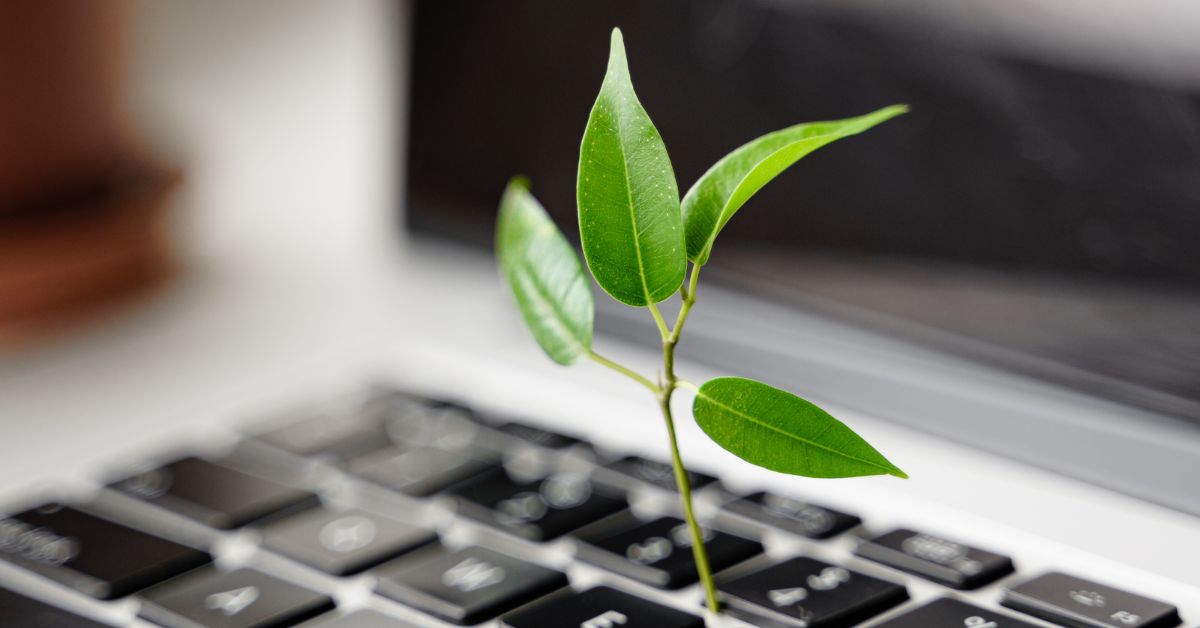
[[699, 553], [689, 299], [658, 320], [667, 388], [626, 371]]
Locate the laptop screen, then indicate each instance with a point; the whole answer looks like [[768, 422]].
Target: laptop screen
[[1031, 211]]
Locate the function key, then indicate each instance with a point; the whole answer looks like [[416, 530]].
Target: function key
[[423, 471], [343, 543], [659, 552], [93, 555], [243, 598], [538, 436], [952, 613], [538, 510], [792, 515], [602, 607], [810, 593], [23, 612], [213, 494], [934, 558], [656, 473], [1070, 601], [469, 585]]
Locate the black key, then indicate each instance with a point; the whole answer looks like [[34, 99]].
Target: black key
[[538, 510], [421, 472], [469, 585], [19, 611], [793, 515], [96, 556], [810, 593], [243, 598], [1070, 601], [538, 436], [359, 619], [213, 494], [659, 552], [934, 558], [601, 607], [657, 473], [952, 613], [343, 543]]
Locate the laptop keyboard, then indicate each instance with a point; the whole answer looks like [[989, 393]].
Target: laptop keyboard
[[401, 511]]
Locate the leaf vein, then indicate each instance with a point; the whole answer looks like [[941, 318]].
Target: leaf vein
[[801, 439]]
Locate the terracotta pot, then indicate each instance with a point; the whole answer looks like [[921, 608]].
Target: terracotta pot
[[81, 209]]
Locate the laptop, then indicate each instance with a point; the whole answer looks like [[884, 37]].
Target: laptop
[[999, 290]]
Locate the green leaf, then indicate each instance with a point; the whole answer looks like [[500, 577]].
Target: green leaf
[[629, 218], [722, 191], [545, 276], [777, 430]]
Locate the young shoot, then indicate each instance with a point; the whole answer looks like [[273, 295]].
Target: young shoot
[[644, 244]]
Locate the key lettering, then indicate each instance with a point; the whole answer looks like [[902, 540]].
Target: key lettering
[[607, 619], [472, 574], [649, 551], [233, 601]]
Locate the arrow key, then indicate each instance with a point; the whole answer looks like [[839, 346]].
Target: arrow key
[[238, 599]]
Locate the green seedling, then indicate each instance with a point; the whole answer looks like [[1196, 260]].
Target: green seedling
[[643, 245]]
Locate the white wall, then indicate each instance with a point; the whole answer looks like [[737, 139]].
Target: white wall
[[283, 114]]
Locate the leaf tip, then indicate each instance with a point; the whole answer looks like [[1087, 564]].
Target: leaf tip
[[519, 182], [892, 111], [617, 38], [616, 52], [896, 471]]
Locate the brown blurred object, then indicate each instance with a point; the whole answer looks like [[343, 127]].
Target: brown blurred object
[[81, 207]]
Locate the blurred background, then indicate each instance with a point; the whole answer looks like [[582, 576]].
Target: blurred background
[[1037, 211]]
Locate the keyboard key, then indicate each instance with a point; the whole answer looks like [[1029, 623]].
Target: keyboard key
[[421, 472], [657, 473], [793, 515], [213, 494], [1070, 601], [359, 619], [340, 437], [602, 607], [934, 558], [659, 552], [538, 436], [811, 593], [538, 510], [19, 611], [93, 555], [469, 585], [952, 613], [442, 426], [343, 543], [243, 598]]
